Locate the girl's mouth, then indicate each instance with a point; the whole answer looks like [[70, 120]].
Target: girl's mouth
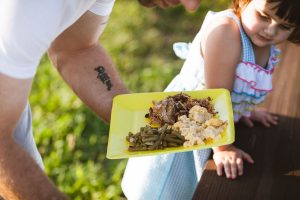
[[264, 39]]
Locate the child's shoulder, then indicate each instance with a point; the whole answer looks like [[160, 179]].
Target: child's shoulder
[[222, 37], [222, 21], [222, 27]]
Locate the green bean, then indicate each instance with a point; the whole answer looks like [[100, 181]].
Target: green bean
[[150, 139], [177, 141], [149, 143], [155, 145], [154, 130], [179, 136], [165, 144], [171, 144]]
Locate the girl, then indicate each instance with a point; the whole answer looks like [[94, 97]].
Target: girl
[[235, 50]]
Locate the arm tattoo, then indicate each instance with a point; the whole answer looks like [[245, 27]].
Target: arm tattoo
[[103, 77]]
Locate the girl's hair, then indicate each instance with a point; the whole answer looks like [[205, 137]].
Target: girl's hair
[[285, 9]]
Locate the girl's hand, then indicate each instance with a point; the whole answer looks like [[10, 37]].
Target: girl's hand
[[231, 158], [261, 115]]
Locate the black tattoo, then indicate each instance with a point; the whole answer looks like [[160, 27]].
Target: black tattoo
[[103, 77]]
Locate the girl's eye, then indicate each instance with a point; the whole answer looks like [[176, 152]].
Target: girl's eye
[[284, 27], [263, 17]]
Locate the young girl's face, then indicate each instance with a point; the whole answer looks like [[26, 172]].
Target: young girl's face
[[262, 26]]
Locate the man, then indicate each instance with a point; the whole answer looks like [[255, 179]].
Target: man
[[69, 31]]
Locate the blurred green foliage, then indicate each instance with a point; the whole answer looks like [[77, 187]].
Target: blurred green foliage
[[71, 139]]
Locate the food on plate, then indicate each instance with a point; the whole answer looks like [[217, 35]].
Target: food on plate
[[178, 120], [168, 110], [151, 138], [199, 126]]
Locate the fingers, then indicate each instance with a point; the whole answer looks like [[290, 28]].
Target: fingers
[[265, 123], [231, 162], [240, 166], [231, 159], [247, 157], [265, 118], [247, 122], [227, 168], [219, 169], [273, 119], [269, 120], [190, 5], [233, 166], [230, 167]]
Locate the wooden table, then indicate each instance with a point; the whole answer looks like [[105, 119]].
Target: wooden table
[[276, 150]]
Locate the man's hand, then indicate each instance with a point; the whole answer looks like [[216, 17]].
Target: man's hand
[[231, 159], [189, 5]]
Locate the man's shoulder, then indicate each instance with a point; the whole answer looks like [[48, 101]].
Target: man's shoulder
[[29, 27]]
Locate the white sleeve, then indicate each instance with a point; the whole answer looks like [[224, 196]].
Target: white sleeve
[[27, 29], [102, 7], [20, 46]]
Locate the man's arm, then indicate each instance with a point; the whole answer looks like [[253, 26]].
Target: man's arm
[[20, 176], [85, 65]]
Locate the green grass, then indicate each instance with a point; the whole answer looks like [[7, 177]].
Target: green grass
[[71, 139]]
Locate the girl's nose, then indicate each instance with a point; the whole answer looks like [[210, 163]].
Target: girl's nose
[[271, 29]]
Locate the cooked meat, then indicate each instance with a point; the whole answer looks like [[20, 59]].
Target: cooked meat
[[168, 110]]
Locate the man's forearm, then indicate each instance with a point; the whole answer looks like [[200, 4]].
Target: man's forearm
[[20, 177], [92, 76]]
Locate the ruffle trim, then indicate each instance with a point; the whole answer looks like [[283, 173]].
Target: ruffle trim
[[239, 98], [243, 102], [257, 68], [250, 95], [261, 86], [254, 77]]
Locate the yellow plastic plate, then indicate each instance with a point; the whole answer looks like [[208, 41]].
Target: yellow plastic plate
[[128, 115]]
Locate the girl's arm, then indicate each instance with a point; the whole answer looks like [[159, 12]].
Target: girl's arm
[[221, 49]]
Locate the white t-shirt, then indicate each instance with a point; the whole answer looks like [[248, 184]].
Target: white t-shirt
[[27, 28]]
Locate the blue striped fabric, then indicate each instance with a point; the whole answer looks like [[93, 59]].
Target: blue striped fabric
[[248, 53], [244, 95]]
